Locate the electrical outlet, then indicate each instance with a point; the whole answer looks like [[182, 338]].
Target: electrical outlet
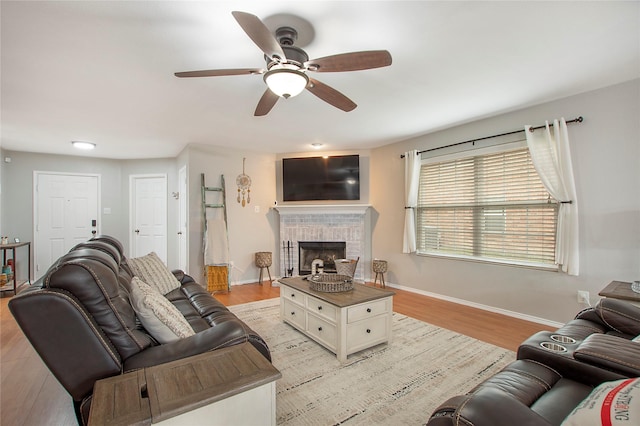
[[583, 297]]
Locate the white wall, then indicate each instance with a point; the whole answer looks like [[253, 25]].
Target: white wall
[[250, 231], [606, 156], [17, 198]]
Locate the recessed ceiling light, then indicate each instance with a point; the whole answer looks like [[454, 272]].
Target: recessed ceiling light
[[83, 145], [317, 145]]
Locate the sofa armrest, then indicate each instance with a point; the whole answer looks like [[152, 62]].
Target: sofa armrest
[[564, 362], [182, 277], [66, 337], [223, 334], [611, 353], [486, 407]]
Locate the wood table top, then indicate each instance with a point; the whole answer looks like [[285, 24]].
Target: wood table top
[[179, 386], [360, 293], [620, 290]]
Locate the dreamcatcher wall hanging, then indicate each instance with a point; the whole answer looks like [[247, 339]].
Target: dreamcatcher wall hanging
[[244, 186]]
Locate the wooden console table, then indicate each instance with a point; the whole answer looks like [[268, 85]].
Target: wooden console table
[[234, 385], [12, 247], [620, 290]]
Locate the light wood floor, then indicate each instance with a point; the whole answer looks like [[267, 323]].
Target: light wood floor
[[30, 395]]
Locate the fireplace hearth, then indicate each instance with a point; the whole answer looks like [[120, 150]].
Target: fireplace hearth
[[327, 251]]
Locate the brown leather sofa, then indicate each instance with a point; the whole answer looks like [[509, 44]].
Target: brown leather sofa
[[609, 316], [79, 319], [597, 342], [554, 371]]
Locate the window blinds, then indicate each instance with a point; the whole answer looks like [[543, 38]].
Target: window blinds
[[489, 206]]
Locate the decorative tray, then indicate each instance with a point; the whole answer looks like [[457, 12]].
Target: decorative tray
[[330, 283]]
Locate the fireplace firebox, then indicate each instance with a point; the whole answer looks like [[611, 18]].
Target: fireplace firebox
[[327, 251]]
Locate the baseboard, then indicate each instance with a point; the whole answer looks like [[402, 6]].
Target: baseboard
[[274, 283], [493, 309], [488, 308]]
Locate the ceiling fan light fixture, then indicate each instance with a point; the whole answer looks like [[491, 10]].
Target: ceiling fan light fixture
[[286, 82]]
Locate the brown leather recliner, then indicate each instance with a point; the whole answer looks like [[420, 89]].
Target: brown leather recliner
[[523, 393], [609, 316], [554, 372], [597, 341], [79, 320]]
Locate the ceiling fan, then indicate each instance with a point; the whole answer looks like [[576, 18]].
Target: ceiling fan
[[287, 66]]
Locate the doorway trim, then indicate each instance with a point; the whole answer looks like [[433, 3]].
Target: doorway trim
[[183, 216]]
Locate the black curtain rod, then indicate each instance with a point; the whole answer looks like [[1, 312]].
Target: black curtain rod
[[575, 120]]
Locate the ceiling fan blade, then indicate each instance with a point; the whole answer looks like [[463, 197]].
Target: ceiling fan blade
[[353, 61], [330, 95], [218, 73], [266, 103], [260, 34]]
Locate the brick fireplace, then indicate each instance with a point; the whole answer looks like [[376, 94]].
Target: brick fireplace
[[326, 251], [324, 223]]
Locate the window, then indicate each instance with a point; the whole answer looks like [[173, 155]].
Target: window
[[491, 207]]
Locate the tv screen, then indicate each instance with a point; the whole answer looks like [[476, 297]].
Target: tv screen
[[317, 178]]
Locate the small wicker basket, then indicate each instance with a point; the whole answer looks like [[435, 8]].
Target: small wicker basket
[[346, 266], [379, 266], [330, 283], [263, 259]]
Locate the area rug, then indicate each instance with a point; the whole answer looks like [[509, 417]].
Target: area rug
[[396, 384]]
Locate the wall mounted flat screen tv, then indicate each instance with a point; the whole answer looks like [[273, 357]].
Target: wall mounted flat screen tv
[[317, 178]]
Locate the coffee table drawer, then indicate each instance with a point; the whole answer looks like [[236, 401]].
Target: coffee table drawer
[[294, 314], [293, 295], [322, 331], [367, 310], [364, 334], [322, 308]]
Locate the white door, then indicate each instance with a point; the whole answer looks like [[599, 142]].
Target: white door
[[65, 214], [182, 219], [149, 215]]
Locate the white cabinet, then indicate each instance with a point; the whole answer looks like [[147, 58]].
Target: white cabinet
[[342, 323]]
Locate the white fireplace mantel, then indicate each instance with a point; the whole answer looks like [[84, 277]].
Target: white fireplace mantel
[[323, 209], [324, 222]]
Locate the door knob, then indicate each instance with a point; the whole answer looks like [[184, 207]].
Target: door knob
[[137, 231], [179, 232]]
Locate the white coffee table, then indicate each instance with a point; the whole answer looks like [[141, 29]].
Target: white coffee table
[[344, 322]]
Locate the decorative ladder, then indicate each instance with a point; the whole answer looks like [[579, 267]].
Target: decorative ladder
[[211, 272]]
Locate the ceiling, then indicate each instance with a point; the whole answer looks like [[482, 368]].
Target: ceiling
[[103, 71]]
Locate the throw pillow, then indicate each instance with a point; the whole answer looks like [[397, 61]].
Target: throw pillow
[[611, 403], [153, 271], [158, 316]]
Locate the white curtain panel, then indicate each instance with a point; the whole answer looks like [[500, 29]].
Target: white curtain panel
[[552, 160], [411, 180]]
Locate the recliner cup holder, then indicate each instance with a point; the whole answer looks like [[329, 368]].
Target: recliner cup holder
[[562, 339], [553, 347]]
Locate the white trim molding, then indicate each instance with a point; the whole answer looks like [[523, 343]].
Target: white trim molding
[[488, 308], [322, 209]]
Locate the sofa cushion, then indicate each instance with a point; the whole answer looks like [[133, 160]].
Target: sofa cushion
[[611, 403], [153, 271], [158, 316]]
